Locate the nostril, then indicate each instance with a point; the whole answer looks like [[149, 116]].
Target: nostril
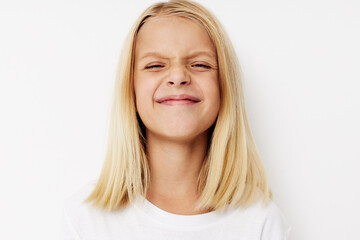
[[180, 83]]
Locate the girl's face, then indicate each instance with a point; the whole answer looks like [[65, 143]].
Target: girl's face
[[175, 78]]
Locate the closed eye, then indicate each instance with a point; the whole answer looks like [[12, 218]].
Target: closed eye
[[201, 65], [153, 66]]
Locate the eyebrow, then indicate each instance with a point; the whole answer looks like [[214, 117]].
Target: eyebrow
[[192, 55]]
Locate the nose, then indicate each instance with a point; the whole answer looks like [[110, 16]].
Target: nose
[[178, 76]]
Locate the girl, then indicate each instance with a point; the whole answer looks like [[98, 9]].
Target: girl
[[181, 161]]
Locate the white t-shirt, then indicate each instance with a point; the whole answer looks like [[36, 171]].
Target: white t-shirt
[[143, 220]]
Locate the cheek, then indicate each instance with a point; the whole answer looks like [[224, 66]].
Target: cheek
[[213, 92], [212, 89], [144, 92]]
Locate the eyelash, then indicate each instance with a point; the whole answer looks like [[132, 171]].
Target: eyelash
[[157, 65], [153, 66], [202, 65]]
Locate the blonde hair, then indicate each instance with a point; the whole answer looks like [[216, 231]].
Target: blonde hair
[[232, 173]]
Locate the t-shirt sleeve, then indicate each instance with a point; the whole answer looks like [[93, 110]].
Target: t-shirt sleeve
[[67, 232], [74, 213], [275, 227]]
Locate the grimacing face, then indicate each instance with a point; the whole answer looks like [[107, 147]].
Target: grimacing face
[[175, 78]]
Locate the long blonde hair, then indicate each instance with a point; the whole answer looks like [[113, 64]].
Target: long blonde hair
[[232, 173]]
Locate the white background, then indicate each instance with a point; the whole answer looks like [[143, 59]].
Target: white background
[[300, 61]]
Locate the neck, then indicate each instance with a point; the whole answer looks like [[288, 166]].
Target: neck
[[175, 166]]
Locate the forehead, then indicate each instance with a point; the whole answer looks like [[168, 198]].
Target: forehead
[[173, 33]]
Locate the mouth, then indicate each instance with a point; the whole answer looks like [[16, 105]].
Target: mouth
[[178, 100], [173, 102]]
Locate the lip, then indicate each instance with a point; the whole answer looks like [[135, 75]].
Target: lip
[[182, 99]]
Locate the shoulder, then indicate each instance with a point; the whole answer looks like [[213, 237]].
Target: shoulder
[[73, 212], [80, 218], [271, 220], [75, 202], [275, 224], [266, 222]]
